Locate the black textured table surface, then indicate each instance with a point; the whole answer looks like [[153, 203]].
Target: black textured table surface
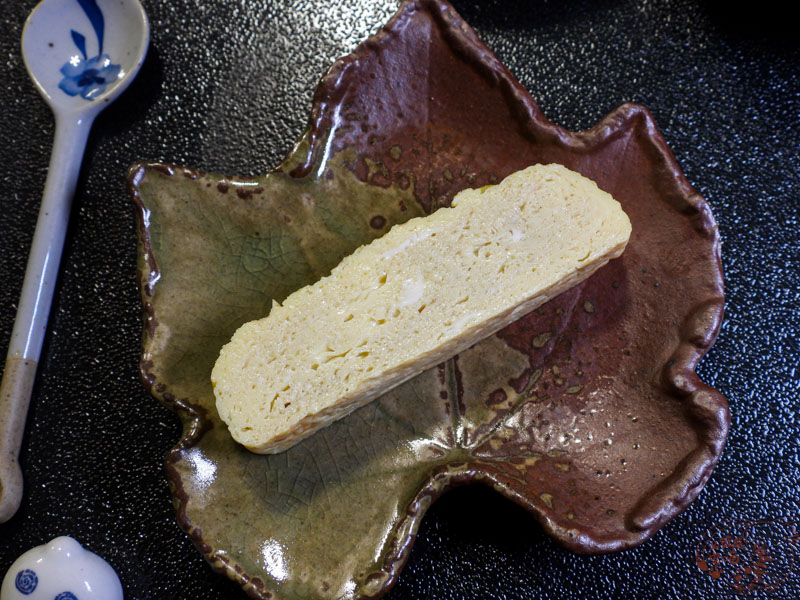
[[227, 88]]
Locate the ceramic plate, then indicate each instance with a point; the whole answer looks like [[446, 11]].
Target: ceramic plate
[[587, 412]]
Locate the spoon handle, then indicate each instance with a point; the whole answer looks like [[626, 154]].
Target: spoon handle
[[35, 300]]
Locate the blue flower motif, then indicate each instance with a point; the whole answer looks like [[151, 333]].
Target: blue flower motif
[[88, 78], [26, 581], [66, 596]]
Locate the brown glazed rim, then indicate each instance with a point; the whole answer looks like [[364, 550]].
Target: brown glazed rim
[[708, 406]]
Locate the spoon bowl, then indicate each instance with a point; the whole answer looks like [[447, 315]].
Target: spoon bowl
[[81, 54]]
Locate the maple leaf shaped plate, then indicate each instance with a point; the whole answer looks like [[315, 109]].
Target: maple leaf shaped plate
[[587, 412]]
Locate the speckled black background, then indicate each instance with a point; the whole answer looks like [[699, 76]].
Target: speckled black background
[[227, 87]]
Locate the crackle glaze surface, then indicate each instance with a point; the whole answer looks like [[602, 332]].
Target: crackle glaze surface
[[587, 412]]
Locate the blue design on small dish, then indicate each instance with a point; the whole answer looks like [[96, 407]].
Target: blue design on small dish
[[26, 581], [66, 596], [88, 77]]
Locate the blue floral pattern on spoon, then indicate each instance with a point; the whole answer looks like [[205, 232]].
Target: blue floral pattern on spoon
[[84, 76]]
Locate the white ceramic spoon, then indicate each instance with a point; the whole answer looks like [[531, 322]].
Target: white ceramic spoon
[[81, 54]]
